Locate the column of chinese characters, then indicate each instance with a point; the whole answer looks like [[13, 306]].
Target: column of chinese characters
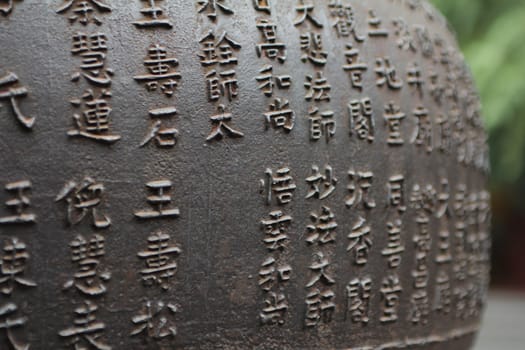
[[218, 57], [480, 257], [471, 251], [278, 189], [318, 89], [386, 72], [161, 76], [84, 201], [14, 258], [155, 320], [443, 259], [423, 202], [391, 287], [450, 130], [321, 237], [360, 201], [93, 117], [345, 26], [465, 129], [279, 115]]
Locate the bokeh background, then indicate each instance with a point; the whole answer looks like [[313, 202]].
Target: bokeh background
[[491, 34]]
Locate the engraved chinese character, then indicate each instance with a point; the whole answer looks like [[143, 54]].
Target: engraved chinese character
[[164, 136], [271, 48], [321, 186], [387, 74], [390, 295], [425, 42], [275, 308], [414, 78], [305, 12], [393, 119], [84, 11], [472, 207], [8, 322], [422, 241], [461, 302], [267, 80], [210, 8], [160, 260], [360, 242], [160, 201], [262, 5], [18, 204], [320, 306], [414, 4], [444, 254], [443, 198], [358, 292], [94, 121], [272, 274], [87, 255], [423, 199], [213, 87], [280, 116], [345, 24], [443, 294], [359, 186], [394, 248], [484, 207], [83, 199], [275, 230], [318, 88], [444, 139], [362, 122], [154, 16], [13, 266], [405, 40], [436, 88], [319, 267], [322, 229], [281, 184], [161, 71], [321, 124], [221, 125], [87, 331], [224, 84], [446, 52], [460, 201], [354, 66], [220, 51], [423, 133], [156, 320], [312, 48], [396, 197], [92, 49], [11, 90], [375, 25], [419, 308]]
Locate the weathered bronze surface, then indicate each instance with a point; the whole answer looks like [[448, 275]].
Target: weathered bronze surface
[[229, 174]]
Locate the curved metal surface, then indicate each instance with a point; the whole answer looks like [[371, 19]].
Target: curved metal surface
[[226, 174]]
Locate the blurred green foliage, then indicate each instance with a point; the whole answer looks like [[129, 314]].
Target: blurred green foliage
[[491, 34]]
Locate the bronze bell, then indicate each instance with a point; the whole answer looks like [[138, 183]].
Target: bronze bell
[[227, 174]]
